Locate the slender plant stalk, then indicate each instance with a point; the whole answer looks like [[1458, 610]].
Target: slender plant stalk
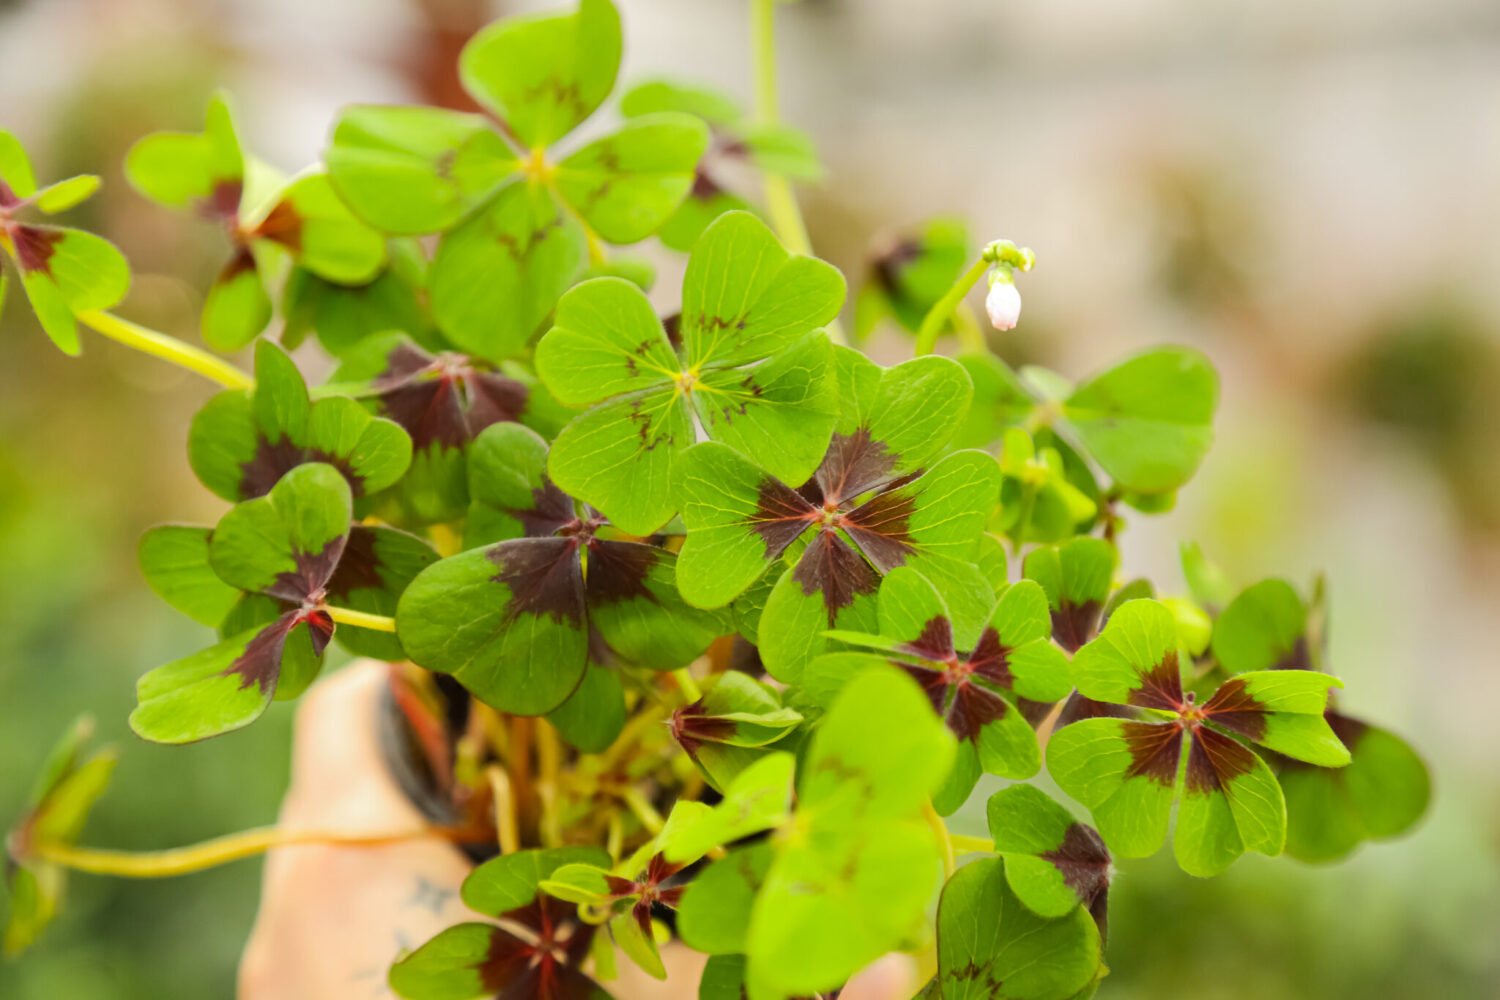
[[506, 826], [945, 839], [361, 619], [159, 345], [549, 766], [644, 811], [212, 853], [781, 200], [963, 844], [932, 323], [687, 685], [970, 335]]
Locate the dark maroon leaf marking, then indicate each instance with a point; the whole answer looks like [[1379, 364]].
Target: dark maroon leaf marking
[[242, 261], [973, 708], [34, 246], [691, 728], [1214, 760], [544, 576], [274, 459], [506, 961], [320, 629], [8, 197], [1296, 658], [1083, 860], [854, 463], [1074, 624], [881, 528], [1346, 729], [223, 202], [935, 642], [1155, 750], [551, 511], [832, 568], [888, 266], [430, 410], [360, 566], [494, 399], [934, 684], [283, 225], [1078, 707], [314, 570], [950, 680], [541, 965], [445, 400], [991, 659], [617, 571], [260, 663], [1161, 687], [781, 514], [1234, 708]]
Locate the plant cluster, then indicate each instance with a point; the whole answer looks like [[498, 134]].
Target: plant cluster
[[706, 621]]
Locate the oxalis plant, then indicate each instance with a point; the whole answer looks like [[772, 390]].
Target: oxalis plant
[[700, 625]]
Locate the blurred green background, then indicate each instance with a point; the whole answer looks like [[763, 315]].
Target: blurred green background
[[1309, 193]]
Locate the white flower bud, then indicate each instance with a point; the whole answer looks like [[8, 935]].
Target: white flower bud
[[1003, 303]]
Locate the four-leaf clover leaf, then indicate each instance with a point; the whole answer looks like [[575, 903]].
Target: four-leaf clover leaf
[[243, 441], [512, 620], [208, 173], [64, 271], [973, 691], [1384, 789], [871, 505], [1129, 772], [286, 545], [534, 956], [752, 370], [516, 220]]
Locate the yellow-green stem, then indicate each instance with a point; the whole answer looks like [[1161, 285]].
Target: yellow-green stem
[[945, 839], [781, 200], [361, 619], [644, 811], [687, 685], [210, 853], [932, 323], [167, 348], [963, 844]]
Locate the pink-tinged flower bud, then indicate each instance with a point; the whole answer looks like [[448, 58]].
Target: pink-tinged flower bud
[[1003, 303]]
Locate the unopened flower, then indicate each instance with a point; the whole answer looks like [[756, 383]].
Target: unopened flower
[[1003, 303]]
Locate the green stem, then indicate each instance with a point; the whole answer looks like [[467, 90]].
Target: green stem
[[945, 839], [781, 200], [687, 685], [644, 811], [963, 844], [970, 336], [210, 853], [1028, 504], [361, 619], [167, 348], [932, 323]]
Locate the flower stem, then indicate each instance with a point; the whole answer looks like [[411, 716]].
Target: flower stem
[[167, 348], [210, 853], [361, 619], [932, 323], [945, 839], [963, 844], [506, 825], [644, 811], [781, 200], [687, 685]]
